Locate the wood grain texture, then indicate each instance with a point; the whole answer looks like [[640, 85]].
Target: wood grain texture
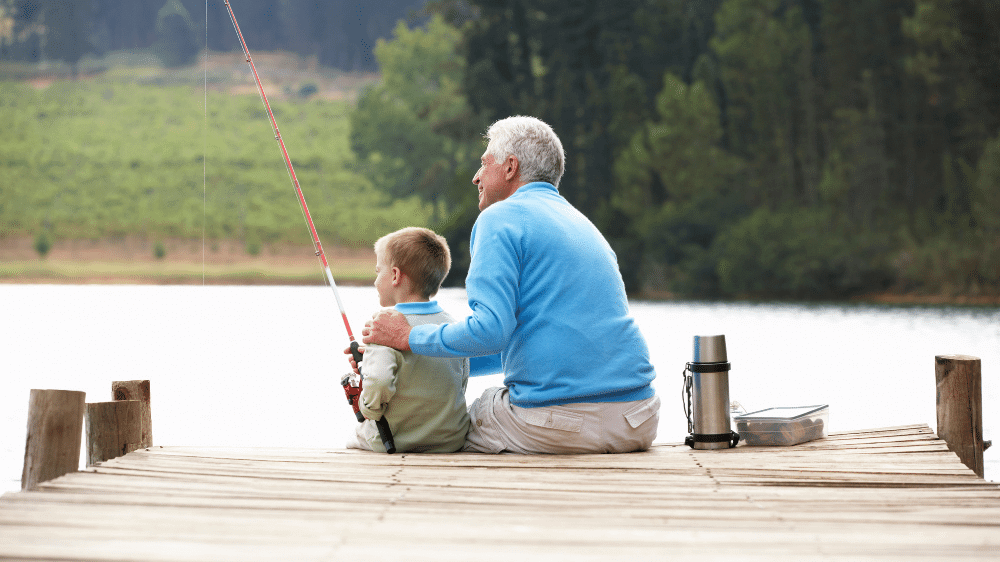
[[113, 429], [960, 407], [137, 390], [887, 494], [55, 432]]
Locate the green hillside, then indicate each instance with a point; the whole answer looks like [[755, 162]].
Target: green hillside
[[111, 157]]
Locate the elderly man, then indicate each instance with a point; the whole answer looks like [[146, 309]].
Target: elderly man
[[546, 294]]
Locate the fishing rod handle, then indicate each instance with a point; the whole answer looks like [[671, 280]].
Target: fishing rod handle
[[386, 434], [356, 352]]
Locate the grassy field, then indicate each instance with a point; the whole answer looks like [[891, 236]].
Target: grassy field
[[132, 261], [180, 157]]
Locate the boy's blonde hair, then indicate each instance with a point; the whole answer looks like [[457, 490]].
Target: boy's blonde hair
[[420, 253]]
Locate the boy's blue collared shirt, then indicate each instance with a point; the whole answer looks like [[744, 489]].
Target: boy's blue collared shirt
[[426, 307]]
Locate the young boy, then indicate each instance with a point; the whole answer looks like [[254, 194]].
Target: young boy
[[422, 398]]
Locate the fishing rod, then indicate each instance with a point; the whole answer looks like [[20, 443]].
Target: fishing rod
[[352, 398]]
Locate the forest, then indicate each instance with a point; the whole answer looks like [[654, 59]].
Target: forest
[[340, 33], [791, 149]]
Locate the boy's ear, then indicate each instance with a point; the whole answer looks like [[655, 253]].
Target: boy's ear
[[397, 276]]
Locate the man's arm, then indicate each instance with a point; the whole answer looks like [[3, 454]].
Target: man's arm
[[492, 289]]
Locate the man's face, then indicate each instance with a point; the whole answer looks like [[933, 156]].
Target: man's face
[[492, 181]]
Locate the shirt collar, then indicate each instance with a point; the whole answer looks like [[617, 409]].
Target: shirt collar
[[536, 186], [429, 307]]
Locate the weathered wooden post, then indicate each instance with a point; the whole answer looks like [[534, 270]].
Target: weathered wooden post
[[960, 407], [137, 390], [121, 426], [55, 428], [113, 429]]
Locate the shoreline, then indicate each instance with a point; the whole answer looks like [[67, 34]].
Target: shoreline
[[256, 272], [131, 261], [347, 272]]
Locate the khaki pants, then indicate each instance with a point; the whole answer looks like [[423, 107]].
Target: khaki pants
[[599, 427]]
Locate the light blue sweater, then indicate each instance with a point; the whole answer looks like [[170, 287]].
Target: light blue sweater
[[546, 293]]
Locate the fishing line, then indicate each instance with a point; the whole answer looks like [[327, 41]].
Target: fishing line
[[317, 246], [385, 433]]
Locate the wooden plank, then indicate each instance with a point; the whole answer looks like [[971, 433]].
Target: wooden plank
[[841, 502]]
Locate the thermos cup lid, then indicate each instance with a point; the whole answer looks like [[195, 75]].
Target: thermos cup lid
[[710, 349]]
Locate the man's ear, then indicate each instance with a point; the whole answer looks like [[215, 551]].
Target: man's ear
[[397, 276], [511, 168]]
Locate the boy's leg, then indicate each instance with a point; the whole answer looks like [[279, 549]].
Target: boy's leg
[[362, 437], [602, 427]]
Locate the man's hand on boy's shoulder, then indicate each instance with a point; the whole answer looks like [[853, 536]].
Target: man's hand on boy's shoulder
[[387, 327]]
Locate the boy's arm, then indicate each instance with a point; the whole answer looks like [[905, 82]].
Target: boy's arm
[[379, 384]]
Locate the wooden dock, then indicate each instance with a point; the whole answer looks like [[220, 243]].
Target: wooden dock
[[886, 494]]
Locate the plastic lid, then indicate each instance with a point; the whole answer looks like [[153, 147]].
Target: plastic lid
[[782, 413]]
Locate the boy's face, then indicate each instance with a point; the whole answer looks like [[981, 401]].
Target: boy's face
[[383, 281]]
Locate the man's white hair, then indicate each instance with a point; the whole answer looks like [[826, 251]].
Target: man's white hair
[[538, 150]]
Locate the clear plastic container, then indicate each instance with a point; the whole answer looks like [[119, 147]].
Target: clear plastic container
[[782, 427]]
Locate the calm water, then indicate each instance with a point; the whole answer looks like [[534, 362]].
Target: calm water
[[260, 366]]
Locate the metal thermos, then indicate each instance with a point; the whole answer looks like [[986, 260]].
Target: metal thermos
[[706, 394]]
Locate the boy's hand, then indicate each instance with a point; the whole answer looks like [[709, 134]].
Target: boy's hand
[[388, 327], [350, 358]]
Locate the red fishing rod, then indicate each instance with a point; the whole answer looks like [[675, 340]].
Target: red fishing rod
[[352, 392]]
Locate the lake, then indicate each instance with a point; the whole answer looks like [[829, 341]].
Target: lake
[[260, 366]]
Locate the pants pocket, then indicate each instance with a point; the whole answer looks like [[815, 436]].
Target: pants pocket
[[551, 419], [638, 415]]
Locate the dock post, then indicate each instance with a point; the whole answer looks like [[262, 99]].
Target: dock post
[[960, 407], [55, 428], [113, 429], [121, 426], [137, 390]]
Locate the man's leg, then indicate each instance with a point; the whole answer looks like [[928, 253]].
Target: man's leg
[[484, 431], [602, 427]]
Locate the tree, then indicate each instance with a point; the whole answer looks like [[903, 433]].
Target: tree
[[416, 123], [677, 187], [176, 43], [7, 23], [764, 49], [796, 253], [415, 132], [590, 70], [67, 23], [43, 243], [985, 206], [569, 65], [956, 60]]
